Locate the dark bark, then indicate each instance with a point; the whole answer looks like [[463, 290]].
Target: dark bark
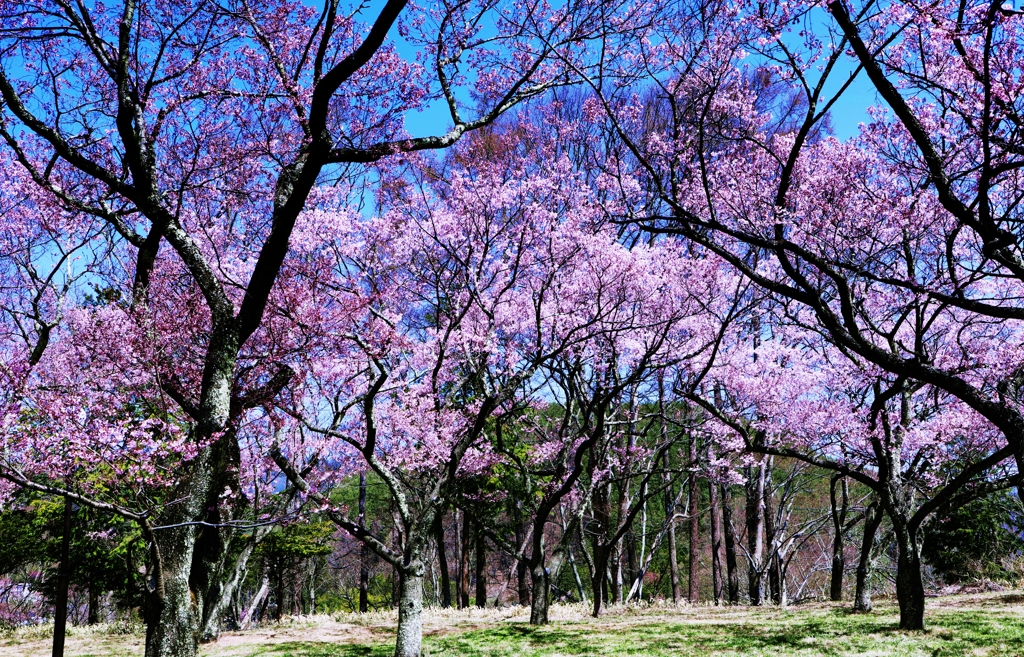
[[279, 592], [598, 580], [862, 594], [615, 576], [94, 603], [714, 513], [670, 512], [60, 605], [364, 552], [442, 559], [839, 510], [465, 543], [771, 539], [541, 602], [602, 587], [481, 570], [522, 567], [694, 588], [909, 584], [729, 529]]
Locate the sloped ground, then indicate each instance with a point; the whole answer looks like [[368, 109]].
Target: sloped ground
[[976, 624]]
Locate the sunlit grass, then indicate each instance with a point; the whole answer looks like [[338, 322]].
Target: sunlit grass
[[989, 626], [984, 624]]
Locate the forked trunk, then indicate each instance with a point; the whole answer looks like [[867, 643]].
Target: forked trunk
[[220, 595], [409, 636]]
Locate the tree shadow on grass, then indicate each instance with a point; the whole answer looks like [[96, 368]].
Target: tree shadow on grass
[[836, 633], [310, 649]]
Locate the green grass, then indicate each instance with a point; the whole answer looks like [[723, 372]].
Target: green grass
[[981, 624], [989, 628]]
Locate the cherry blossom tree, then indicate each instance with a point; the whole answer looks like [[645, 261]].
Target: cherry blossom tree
[[896, 244], [206, 126]]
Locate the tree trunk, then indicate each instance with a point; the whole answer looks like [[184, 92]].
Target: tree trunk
[[481, 570], [771, 541], [217, 569], [694, 589], [225, 592], [463, 583], [254, 605], [442, 559], [838, 522], [409, 635], [279, 591], [94, 603], [862, 595], [364, 552], [598, 579], [539, 578], [909, 585], [60, 606], [522, 568], [731, 569], [755, 527], [673, 550], [172, 629], [716, 540]]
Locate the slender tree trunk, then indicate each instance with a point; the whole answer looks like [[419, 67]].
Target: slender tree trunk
[[442, 558], [364, 551], [673, 549], [694, 589], [716, 540], [481, 570], [755, 528], [254, 605], [60, 607], [522, 568], [409, 635], [463, 584], [603, 588], [94, 603], [615, 574], [862, 594], [731, 568], [771, 539], [838, 522]]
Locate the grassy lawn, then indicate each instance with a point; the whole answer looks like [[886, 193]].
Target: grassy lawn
[[984, 624]]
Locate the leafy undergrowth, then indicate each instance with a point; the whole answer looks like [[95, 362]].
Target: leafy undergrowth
[[986, 624]]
